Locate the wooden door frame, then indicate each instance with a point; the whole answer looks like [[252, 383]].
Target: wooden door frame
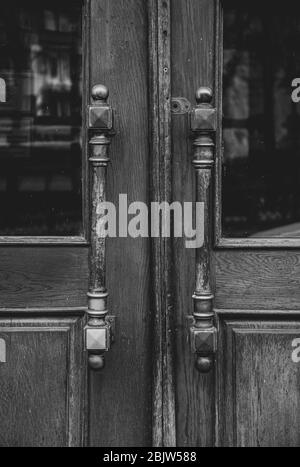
[[163, 392], [165, 412]]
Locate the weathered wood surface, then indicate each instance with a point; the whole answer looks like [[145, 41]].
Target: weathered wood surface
[[42, 382], [193, 23], [43, 277], [120, 409], [259, 384], [164, 430], [258, 279]]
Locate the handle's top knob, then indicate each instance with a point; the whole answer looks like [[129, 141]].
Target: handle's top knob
[[204, 95], [100, 93]]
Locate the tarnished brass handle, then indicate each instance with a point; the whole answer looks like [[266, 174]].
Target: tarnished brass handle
[[101, 129], [203, 334]]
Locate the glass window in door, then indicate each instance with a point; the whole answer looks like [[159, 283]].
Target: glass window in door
[[40, 118], [261, 121]]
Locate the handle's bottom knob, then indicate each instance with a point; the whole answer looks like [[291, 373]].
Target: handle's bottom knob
[[96, 362], [204, 364]]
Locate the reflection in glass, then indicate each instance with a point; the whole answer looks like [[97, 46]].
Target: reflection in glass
[[261, 124], [40, 118]]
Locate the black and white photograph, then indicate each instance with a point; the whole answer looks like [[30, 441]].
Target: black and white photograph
[[149, 226]]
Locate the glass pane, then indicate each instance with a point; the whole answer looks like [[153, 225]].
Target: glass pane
[[40, 118], [261, 124]]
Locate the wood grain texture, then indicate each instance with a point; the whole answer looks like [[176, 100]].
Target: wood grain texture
[[120, 397], [43, 277], [257, 243], [256, 282], [203, 255], [193, 51], [164, 430], [42, 383], [61, 241], [258, 279], [259, 384], [97, 256], [42, 392]]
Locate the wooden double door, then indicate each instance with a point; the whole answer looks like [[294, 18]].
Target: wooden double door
[[234, 149]]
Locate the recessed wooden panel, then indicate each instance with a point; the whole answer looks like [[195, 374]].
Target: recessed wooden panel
[[42, 383], [259, 384], [43, 277], [257, 279]]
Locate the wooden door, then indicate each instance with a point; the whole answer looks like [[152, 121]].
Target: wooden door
[[55, 133], [234, 148], [248, 272]]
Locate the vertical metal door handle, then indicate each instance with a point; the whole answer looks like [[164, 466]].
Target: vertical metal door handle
[[98, 332], [203, 334]]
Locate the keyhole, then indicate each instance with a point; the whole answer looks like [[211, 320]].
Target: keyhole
[[2, 90], [2, 351]]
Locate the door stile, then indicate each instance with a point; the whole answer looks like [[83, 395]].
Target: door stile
[[193, 62], [163, 394], [216, 213]]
